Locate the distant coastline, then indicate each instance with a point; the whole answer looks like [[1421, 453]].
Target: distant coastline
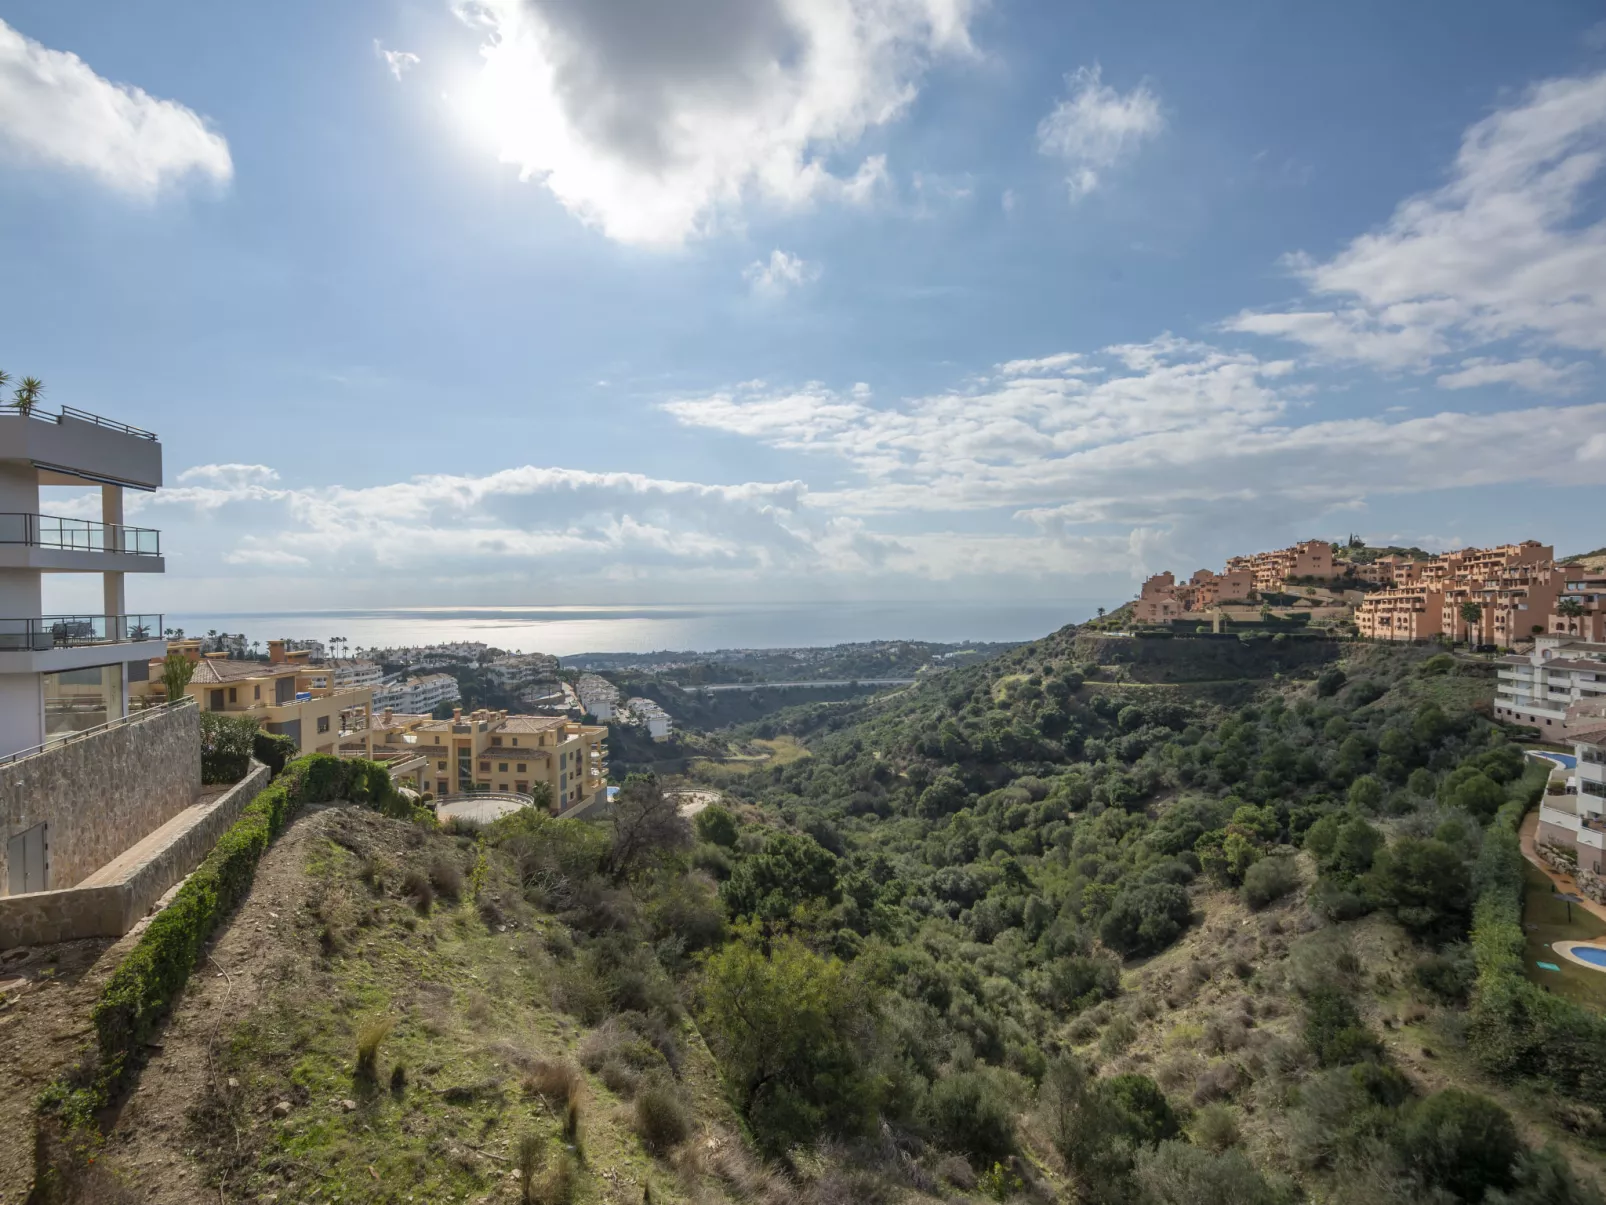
[[573, 630]]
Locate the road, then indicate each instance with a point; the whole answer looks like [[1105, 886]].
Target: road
[[718, 686]]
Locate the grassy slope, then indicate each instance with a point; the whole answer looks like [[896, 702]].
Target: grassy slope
[[472, 1002]]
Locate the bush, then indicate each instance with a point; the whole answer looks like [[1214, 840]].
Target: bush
[[1146, 918], [1175, 1173], [226, 744], [369, 1038], [1425, 885], [717, 826], [973, 1112], [136, 997], [1449, 974], [1460, 1142], [1215, 1128], [1269, 879], [273, 750], [1334, 1031], [1329, 682], [660, 1116]]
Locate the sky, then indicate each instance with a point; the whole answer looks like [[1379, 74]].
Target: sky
[[500, 302]]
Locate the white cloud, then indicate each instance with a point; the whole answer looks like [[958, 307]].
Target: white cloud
[[1095, 127], [1510, 248], [1162, 432], [1536, 376], [266, 557], [230, 474], [780, 275], [655, 122], [55, 110], [396, 61]]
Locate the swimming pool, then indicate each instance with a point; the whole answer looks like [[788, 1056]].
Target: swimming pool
[[1567, 761], [1593, 955]]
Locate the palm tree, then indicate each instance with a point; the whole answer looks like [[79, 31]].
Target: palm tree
[[1471, 613], [5, 379], [1570, 607], [27, 395]]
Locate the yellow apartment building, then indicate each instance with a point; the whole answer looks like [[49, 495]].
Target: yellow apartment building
[[317, 720], [1515, 586], [495, 751], [1401, 613]]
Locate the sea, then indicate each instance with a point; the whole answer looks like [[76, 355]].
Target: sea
[[704, 627]]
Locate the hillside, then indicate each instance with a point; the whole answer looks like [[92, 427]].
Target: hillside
[[1029, 930]]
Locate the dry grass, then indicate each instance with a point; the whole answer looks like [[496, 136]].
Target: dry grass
[[446, 877], [660, 1116], [369, 1038], [558, 1082]]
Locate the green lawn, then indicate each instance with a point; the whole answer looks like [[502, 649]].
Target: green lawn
[[1545, 920]]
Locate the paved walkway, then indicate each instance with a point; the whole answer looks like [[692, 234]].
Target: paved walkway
[[1563, 882]]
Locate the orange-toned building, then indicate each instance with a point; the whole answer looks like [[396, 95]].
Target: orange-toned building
[[1158, 601], [1580, 612], [1514, 585], [1390, 571], [1311, 559]]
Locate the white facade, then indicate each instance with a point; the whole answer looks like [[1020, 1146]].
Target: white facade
[[658, 722], [598, 696], [61, 674], [418, 696], [1537, 688]]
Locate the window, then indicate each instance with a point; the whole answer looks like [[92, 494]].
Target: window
[[496, 740], [485, 767], [1598, 789], [256, 692], [522, 769], [501, 767], [501, 786], [323, 723], [217, 701], [515, 741], [234, 695], [440, 765], [523, 788]]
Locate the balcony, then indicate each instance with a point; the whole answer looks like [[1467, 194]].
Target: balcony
[[75, 631], [52, 544]]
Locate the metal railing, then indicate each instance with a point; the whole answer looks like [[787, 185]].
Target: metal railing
[[132, 717], [81, 416], [77, 535], [38, 634]]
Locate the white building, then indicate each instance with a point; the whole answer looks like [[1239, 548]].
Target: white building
[[313, 648], [342, 675], [598, 696], [522, 670], [1537, 688], [417, 696], [1572, 813], [658, 722], [61, 674]]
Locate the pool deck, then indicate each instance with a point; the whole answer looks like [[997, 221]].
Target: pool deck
[[1562, 882], [1566, 948]]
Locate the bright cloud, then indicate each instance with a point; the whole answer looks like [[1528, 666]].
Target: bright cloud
[[1509, 249], [1536, 376], [396, 61], [1096, 127], [780, 275], [653, 122], [55, 110]]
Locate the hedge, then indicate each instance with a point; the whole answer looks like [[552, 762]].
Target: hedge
[[136, 998], [225, 746], [273, 751], [1519, 1029]]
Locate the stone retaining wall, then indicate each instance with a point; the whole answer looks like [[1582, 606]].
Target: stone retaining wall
[[1590, 885], [103, 793], [111, 901]]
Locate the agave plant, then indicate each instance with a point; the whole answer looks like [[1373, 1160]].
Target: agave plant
[[27, 395]]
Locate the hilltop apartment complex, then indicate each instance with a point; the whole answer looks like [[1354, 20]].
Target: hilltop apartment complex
[[495, 751], [1515, 587]]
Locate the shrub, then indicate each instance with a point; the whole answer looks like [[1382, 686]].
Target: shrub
[[1175, 1173], [226, 743], [1424, 884], [1449, 974], [417, 887], [972, 1112], [531, 1155], [369, 1038], [554, 1080], [1334, 1031], [660, 1116], [1215, 1128], [1145, 919], [273, 750], [1460, 1142], [1269, 879], [446, 877], [1329, 682], [717, 826]]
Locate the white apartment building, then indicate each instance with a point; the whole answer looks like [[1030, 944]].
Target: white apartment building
[[598, 696], [313, 648], [342, 675], [417, 696], [1537, 688], [1574, 816], [658, 722], [62, 674]]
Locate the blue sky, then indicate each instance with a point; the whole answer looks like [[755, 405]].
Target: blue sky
[[552, 301]]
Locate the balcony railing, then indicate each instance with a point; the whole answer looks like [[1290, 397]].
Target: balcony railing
[[77, 535], [71, 631], [133, 717], [77, 415]]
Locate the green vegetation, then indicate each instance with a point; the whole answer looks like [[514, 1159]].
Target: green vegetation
[[227, 742]]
